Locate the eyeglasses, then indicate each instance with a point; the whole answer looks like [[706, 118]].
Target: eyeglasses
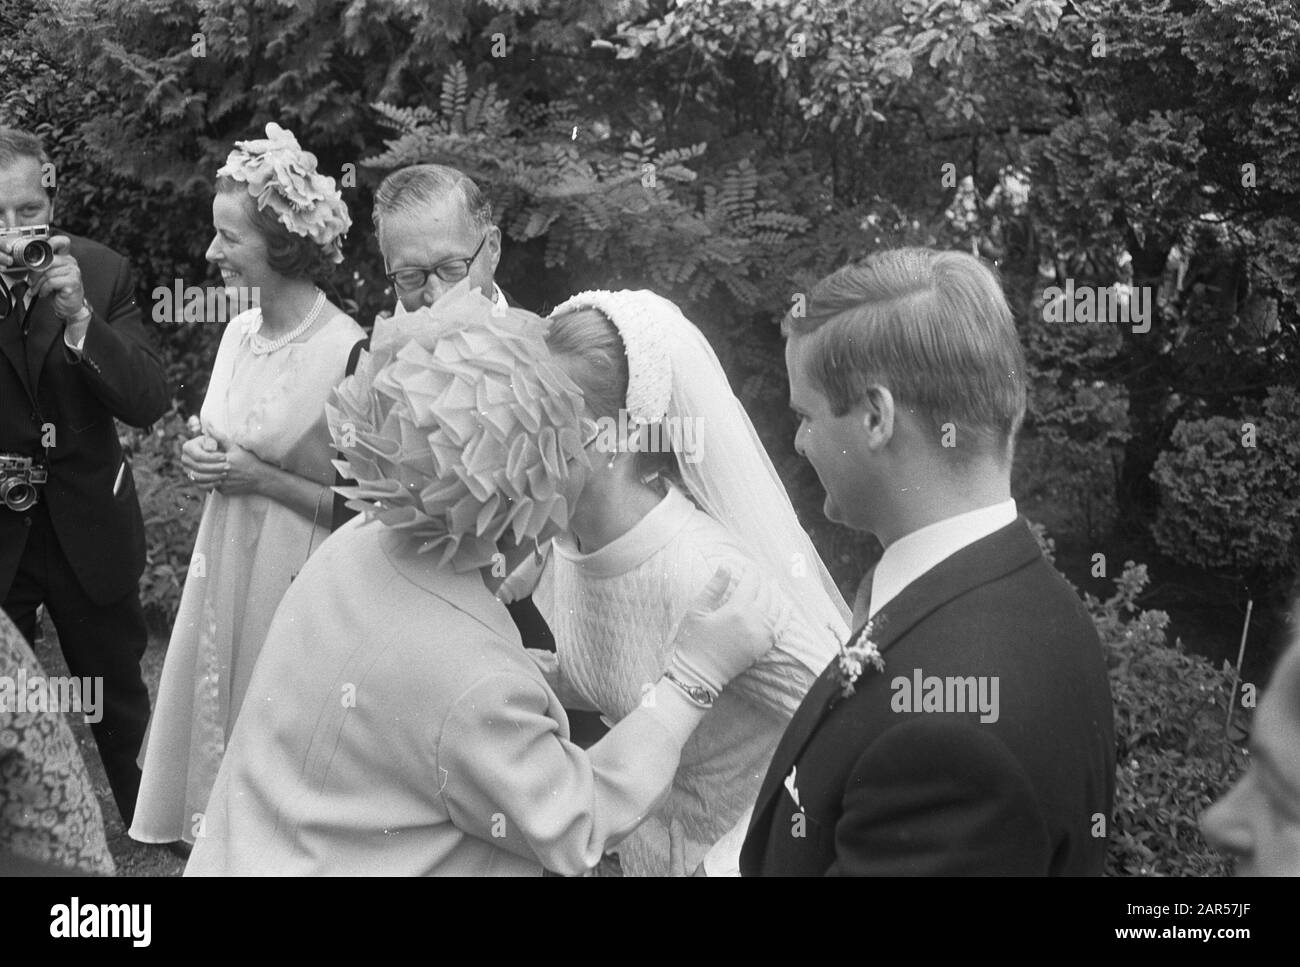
[[452, 270]]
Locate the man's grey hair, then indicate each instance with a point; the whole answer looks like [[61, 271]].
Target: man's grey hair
[[408, 190]]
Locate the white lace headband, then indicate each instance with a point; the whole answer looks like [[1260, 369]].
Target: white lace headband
[[637, 315]]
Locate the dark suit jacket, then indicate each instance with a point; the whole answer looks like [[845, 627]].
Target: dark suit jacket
[[42, 381], [887, 792]]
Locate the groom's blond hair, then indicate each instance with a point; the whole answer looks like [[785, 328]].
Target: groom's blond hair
[[935, 329]]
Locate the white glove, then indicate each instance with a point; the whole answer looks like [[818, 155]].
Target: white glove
[[727, 628]]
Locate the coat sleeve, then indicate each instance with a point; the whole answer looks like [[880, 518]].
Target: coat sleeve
[[116, 361], [939, 798], [548, 663], [509, 777]]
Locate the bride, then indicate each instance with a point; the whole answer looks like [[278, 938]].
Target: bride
[[680, 484]]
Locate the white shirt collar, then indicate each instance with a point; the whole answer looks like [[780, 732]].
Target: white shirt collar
[[914, 554]]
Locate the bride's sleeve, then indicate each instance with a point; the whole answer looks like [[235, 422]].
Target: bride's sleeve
[[780, 679]]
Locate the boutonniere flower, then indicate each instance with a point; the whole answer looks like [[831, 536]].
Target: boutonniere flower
[[859, 652]]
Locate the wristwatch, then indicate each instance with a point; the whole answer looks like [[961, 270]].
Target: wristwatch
[[698, 695]]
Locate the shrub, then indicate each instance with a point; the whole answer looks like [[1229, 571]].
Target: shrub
[[1171, 755], [1231, 503], [1071, 449], [1068, 458], [171, 507]]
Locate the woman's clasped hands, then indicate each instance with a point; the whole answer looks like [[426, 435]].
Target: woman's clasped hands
[[213, 462]]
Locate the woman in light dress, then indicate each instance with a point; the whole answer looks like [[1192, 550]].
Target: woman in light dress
[[263, 456], [647, 533]]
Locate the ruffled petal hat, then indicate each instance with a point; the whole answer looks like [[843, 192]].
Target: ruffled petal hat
[[458, 427]]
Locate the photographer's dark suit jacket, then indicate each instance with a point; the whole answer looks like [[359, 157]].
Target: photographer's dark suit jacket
[[43, 382], [889, 793]]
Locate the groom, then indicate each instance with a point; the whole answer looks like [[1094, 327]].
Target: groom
[[984, 744]]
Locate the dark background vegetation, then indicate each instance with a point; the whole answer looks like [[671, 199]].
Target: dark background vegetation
[[728, 153]]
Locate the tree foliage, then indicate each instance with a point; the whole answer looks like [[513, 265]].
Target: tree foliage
[[600, 207], [1172, 755]]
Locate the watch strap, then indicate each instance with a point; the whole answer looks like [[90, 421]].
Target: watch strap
[[697, 695]]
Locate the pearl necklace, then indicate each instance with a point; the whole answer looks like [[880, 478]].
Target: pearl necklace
[[260, 345]]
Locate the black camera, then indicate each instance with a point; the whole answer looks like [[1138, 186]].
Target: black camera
[[20, 480]]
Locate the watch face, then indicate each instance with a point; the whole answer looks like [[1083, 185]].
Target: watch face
[[700, 695], [695, 693]]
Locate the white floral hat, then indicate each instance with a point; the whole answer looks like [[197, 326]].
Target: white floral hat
[[283, 177]]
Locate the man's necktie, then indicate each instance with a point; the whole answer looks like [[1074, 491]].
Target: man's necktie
[[862, 600], [17, 311]]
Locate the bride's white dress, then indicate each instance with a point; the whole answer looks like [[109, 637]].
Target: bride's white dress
[[614, 613]]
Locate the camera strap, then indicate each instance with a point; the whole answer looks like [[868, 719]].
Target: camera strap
[[21, 314]]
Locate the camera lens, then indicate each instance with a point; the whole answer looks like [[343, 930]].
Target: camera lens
[[17, 495], [36, 255]]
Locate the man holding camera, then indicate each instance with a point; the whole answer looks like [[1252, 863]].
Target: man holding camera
[[73, 355]]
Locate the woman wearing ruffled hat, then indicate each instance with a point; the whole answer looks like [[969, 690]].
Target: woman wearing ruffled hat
[[394, 724], [264, 457]]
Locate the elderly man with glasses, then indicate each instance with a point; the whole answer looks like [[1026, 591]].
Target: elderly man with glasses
[[435, 230]]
